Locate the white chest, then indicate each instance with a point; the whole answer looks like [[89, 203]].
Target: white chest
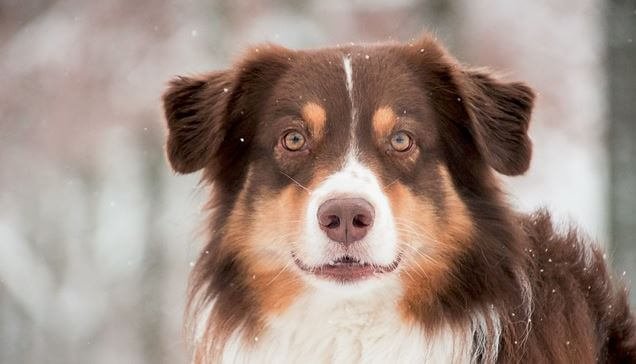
[[368, 330]]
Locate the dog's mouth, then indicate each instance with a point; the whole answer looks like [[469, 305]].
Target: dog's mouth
[[347, 269]]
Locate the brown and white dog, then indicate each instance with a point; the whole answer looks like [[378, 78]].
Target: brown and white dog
[[357, 217]]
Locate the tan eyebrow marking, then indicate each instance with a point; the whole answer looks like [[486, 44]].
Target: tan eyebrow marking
[[384, 120], [314, 115]]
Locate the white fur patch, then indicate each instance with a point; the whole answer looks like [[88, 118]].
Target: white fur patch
[[346, 62], [527, 299], [348, 68], [486, 328], [320, 328]]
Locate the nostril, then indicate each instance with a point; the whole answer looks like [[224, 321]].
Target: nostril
[[361, 221], [333, 222]]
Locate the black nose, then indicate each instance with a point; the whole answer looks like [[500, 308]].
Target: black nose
[[346, 220]]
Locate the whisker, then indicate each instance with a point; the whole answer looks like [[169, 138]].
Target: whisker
[[420, 269], [416, 232], [407, 273], [420, 253], [279, 273], [387, 186], [296, 182]]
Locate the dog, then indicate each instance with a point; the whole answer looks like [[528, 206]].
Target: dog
[[356, 216]]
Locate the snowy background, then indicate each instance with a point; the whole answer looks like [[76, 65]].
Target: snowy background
[[97, 234]]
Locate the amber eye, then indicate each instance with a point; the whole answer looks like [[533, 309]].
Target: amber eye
[[293, 141], [401, 141]]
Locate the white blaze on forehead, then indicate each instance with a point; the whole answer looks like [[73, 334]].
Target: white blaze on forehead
[[348, 68], [349, 75]]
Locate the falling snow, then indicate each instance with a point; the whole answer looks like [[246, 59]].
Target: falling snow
[[106, 202]]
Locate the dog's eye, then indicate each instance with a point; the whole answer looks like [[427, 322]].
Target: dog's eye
[[293, 141], [401, 141]]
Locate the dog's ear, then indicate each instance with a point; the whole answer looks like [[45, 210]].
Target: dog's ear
[[195, 110], [499, 115], [203, 111], [496, 113]]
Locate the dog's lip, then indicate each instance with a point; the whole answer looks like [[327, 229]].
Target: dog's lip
[[347, 269]]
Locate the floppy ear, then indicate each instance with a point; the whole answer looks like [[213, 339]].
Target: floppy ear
[[195, 110], [204, 112], [495, 113], [499, 114]]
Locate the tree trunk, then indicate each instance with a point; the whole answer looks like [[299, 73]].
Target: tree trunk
[[621, 68]]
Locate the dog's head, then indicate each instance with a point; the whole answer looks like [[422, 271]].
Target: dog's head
[[345, 168]]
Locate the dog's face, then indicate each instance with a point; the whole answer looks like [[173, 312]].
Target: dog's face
[[346, 168], [339, 154]]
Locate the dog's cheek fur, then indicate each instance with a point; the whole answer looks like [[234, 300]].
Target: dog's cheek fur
[[263, 235], [271, 238], [431, 241], [257, 240]]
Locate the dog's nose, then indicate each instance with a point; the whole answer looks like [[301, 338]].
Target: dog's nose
[[346, 220]]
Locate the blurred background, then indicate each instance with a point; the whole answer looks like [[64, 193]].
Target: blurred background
[[97, 235]]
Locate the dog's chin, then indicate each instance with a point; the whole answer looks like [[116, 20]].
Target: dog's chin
[[347, 270]]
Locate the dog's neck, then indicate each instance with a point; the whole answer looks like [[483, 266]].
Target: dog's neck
[[325, 326]]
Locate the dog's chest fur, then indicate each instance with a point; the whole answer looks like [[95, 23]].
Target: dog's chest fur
[[320, 328]]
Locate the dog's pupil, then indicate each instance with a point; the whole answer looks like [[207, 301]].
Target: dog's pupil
[[294, 140], [400, 141]]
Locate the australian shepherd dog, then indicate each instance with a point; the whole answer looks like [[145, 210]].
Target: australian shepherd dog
[[357, 217]]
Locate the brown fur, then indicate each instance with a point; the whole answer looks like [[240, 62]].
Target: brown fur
[[555, 298]]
